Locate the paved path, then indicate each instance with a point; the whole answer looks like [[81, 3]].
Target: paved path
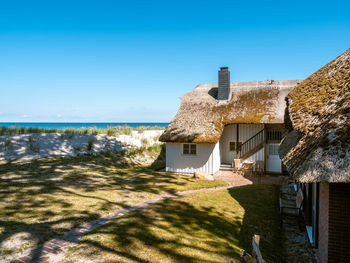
[[298, 248], [43, 252], [239, 180]]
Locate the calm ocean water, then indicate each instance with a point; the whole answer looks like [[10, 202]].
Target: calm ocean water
[[77, 125]]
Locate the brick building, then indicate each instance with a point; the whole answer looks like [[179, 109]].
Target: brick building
[[316, 152]]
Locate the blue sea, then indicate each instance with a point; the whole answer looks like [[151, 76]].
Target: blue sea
[[77, 125]]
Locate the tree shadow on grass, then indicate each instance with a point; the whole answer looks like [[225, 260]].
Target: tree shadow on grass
[[37, 197], [178, 231], [262, 217], [107, 174], [172, 231]]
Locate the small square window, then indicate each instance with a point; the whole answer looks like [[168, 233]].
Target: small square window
[[235, 146], [186, 149], [193, 149], [189, 148]]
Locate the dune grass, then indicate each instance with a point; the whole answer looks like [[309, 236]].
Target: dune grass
[[45, 198], [110, 131], [202, 227]]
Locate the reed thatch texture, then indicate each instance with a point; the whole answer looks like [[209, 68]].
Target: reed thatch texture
[[318, 150], [201, 118]]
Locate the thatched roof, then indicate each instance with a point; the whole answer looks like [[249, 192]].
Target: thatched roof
[[318, 150], [201, 118]]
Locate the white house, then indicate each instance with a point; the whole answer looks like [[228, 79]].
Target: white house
[[217, 123]]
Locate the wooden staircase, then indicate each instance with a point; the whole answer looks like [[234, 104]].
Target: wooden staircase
[[289, 201], [226, 167], [248, 148], [252, 145]]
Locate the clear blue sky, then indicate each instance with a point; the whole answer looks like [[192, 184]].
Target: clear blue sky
[[132, 60]]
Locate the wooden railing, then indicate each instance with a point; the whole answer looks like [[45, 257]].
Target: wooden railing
[[274, 136], [252, 143]]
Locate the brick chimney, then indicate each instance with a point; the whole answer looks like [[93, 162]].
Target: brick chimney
[[224, 92]]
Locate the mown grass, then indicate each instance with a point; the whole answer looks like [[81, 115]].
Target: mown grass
[[202, 227], [48, 197], [110, 131]]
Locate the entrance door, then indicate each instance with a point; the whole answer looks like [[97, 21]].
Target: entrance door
[[273, 161]]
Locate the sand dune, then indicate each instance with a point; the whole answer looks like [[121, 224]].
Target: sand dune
[[31, 146]]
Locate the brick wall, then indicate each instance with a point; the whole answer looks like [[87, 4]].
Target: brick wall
[[339, 219], [323, 206]]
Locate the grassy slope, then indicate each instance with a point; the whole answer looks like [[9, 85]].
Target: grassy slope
[[45, 198], [203, 227]]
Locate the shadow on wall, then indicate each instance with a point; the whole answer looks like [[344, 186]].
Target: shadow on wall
[[213, 92]]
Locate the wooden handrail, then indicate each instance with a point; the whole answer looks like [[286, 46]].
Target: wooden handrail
[[252, 142]]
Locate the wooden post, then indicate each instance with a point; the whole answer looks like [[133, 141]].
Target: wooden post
[[256, 249], [265, 149], [237, 140]]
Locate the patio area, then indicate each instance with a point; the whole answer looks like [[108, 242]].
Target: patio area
[[239, 180]]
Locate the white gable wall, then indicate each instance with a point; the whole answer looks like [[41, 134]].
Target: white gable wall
[[228, 135], [207, 159]]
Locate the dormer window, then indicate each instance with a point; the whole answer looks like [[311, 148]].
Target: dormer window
[[189, 149]]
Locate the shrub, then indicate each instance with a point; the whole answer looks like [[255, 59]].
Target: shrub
[[90, 145], [33, 145], [141, 129], [93, 131], [144, 141], [77, 149], [111, 131], [156, 138], [157, 148], [135, 151]]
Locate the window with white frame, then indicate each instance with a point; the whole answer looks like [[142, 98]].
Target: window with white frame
[[273, 149], [189, 149]]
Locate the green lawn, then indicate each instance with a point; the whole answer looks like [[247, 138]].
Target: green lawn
[[202, 227], [42, 199]]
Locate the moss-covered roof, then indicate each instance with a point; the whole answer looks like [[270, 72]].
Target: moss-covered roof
[[319, 109], [201, 118]]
